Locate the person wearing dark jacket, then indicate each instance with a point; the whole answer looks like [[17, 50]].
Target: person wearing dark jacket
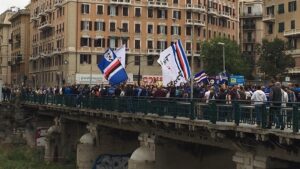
[[275, 109]]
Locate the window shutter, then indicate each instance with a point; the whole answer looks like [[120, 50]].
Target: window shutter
[[88, 9], [90, 25], [166, 30], [179, 30], [103, 26], [82, 8], [166, 44], [117, 11], [95, 26], [179, 14], [108, 41], [158, 30], [166, 14], [81, 58], [108, 10], [82, 24], [90, 42], [172, 31], [103, 42], [157, 45], [116, 43]]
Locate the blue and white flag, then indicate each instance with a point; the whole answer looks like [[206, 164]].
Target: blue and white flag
[[222, 78], [201, 77], [112, 68], [174, 64]]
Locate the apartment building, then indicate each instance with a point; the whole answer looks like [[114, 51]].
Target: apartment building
[[5, 46], [251, 28], [20, 46], [281, 18], [69, 37]]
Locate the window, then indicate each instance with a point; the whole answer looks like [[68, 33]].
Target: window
[[99, 26], [270, 10], [270, 28], [99, 9], [188, 31], [150, 13], [124, 27], [281, 27], [100, 42], [150, 44], [292, 43], [162, 29], [150, 29], [125, 11], [293, 24], [189, 15], [85, 59], [249, 36], [112, 42], [249, 9], [292, 6], [150, 60], [137, 60], [137, 44], [281, 8], [188, 46], [162, 14], [85, 8], [85, 41], [137, 28], [176, 14], [175, 1], [137, 12], [161, 45], [86, 25], [175, 30], [112, 11], [112, 26]]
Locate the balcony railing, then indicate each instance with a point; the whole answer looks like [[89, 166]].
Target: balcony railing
[[224, 14], [48, 9], [45, 25], [120, 2], [212, 11], [293, 32], [58, 3], [269, 18], [195, 7], [195, 22], [157, 4]]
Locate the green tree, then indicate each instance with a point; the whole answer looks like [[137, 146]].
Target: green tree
[[273, 59], [212, 54]]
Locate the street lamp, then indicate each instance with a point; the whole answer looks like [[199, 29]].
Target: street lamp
[[223, 45]]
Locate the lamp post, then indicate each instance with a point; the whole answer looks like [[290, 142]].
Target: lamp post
[[223, 45]]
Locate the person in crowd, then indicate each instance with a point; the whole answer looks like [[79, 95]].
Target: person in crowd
[[275, 109], [258, 98]]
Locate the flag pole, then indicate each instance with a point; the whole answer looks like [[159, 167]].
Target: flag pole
[[192, 62]]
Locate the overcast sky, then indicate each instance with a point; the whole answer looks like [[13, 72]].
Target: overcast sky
[[6, 4]]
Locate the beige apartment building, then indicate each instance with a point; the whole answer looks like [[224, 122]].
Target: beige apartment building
[[282, 20], [70, 36], [5, 46], [20, 47], [251, 29]]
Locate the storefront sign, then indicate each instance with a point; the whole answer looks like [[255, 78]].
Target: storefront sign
[[152, 80]]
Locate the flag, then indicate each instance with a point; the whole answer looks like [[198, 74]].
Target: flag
[[174, 64], [112, 68], [222, 78], [201, 77], [121, 54]]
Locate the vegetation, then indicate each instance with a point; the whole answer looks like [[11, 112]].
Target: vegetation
[[22, 157], [273, 59], [212, 54]]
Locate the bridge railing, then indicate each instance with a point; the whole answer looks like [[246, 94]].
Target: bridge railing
[[264, 115]]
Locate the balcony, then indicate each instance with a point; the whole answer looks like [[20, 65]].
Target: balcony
[[195, 8], [191, 22], [48, 9], [58, 3], [157, 4], [120, 2], [293, 32], [34, 18], [213, 11], [154, 51], [224, 14], [269, 18], [42, 13], [56, 51], [45, 25], [251, 15]]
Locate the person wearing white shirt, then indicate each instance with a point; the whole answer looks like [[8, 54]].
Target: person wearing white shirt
[[258, 98]]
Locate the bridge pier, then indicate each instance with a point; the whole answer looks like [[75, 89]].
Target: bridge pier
[[248, 160], [144, 156]]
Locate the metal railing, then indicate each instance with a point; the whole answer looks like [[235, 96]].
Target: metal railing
[[264, 115]]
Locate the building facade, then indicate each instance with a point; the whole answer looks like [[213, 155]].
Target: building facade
[[251, 29], [5, 46], [281, 18], [68, 37], [20, 46]]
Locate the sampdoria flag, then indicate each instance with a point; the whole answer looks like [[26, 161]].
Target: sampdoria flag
[[121, 54], [174, 64], [112, 68], [201, 77]]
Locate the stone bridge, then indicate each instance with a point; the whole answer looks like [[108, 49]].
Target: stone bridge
[[165, 133]]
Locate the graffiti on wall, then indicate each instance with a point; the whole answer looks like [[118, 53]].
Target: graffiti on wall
[[108, 161]]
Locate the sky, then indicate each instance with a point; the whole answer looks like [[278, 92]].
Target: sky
[[6, 4]]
